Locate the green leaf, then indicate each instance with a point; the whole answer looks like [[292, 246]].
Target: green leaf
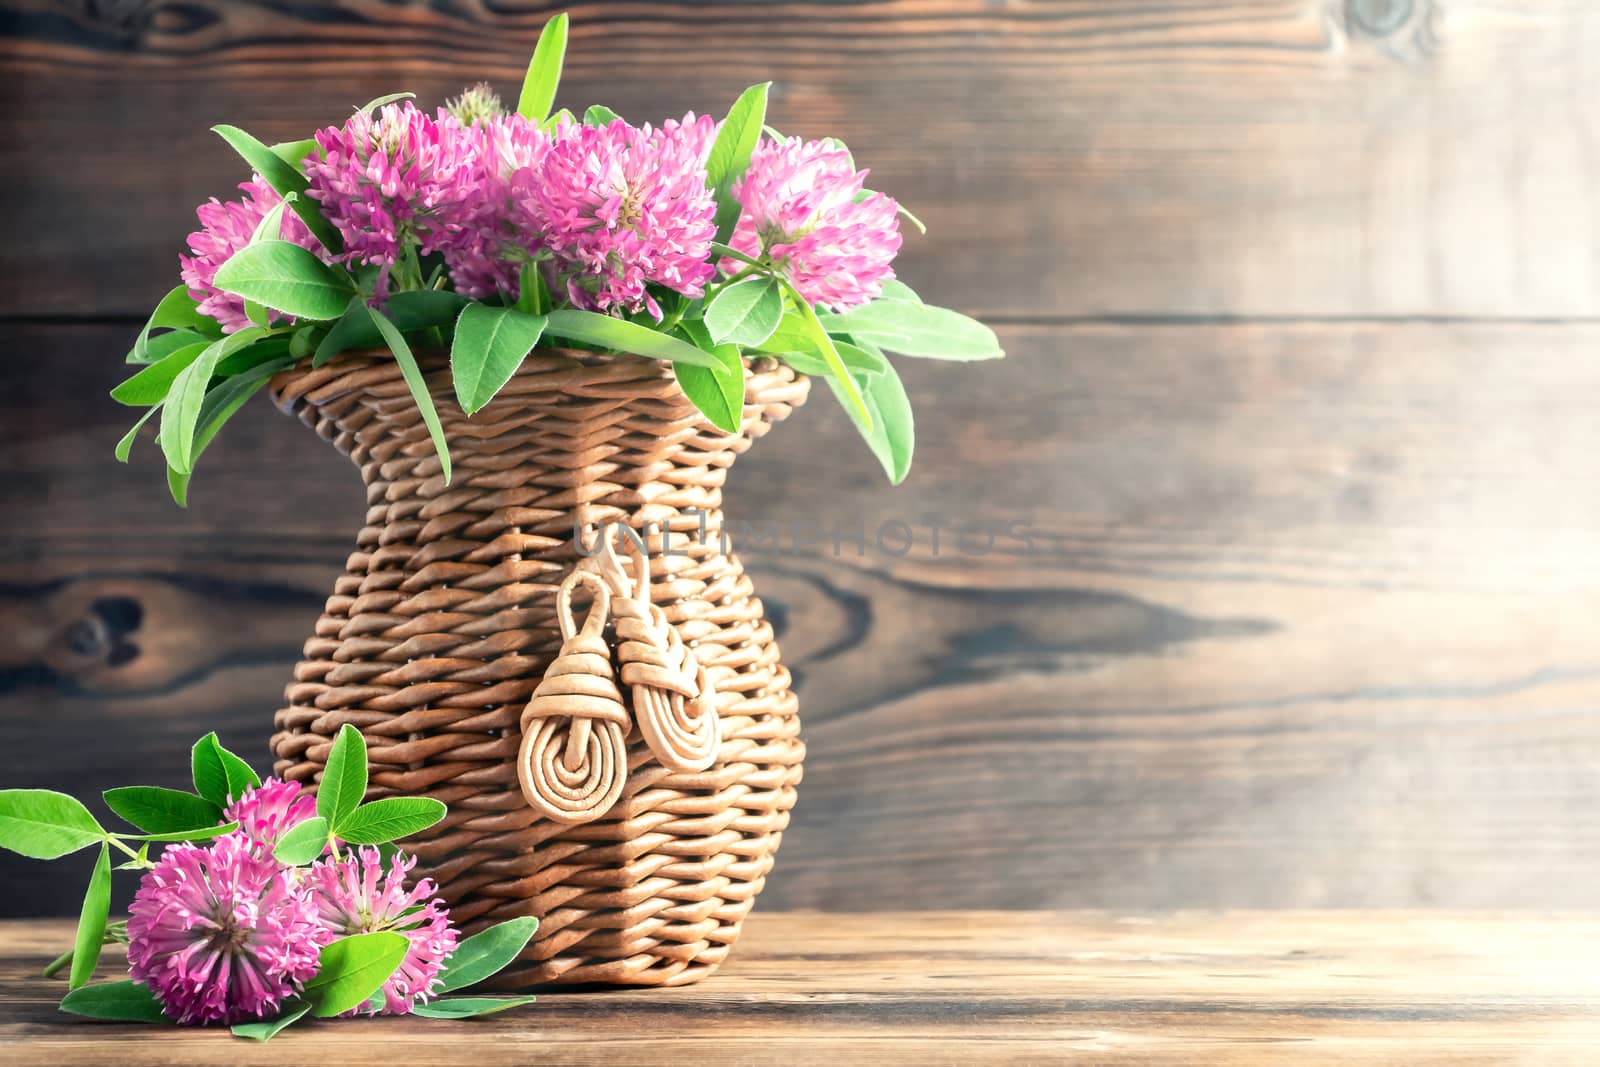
[[303, 842], [124, 447], [730, 153], [490, 345], [914, 329], [287, 278], [389, 819], [150, 385], [486, 954], [559, 117], [468, 1007], [164, 344], [544, 71], [391, 98], [199, 833], [344, 779], [599, 115], [895, 289], [745, 313], [241, 775], [177, 310], [418, 309], [221, 404], [270, 228], [533, 295], [909, 217], [294, 153], [419, 392], [852, 399], [156, 810], [411, 310], [126, 1002], [717, 392], [180, 415], [351, 331], [285, 178], [92, 921], [891, 436], [266, 1031], [219, 775], [44, 824], [253, 355], [352, 969], [619, 335], [860, 362]]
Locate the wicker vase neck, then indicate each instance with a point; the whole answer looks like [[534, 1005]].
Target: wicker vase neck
[[444, 623]]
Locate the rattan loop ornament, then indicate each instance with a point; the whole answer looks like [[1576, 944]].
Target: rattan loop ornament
[[673, 699], [573, 761]]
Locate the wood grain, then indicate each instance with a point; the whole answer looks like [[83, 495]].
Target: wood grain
[[971, 987], [1227, 157], [1307, 621]]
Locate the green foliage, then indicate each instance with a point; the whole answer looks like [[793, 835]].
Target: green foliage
[[718, 392], [351, 969], [745, 313], [44, 824], [285, 277], [151, 384], [490, 345], [266, 1031], [177, 310], [483, 955], [620, 335], [468, 1007], [156, 810], [303, 843], [92, 921], [599, 115], [890, 435], [389, 819], [544, 71], [417, 384], [344, 777], [126, 1002], [916, 329], [285, 178], [839, 374], [730, 153], [219, 775]]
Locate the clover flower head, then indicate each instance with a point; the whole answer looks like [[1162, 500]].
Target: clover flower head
[[270, 810], [359, 894], [226, 227], [803, 206], [390, 178], [619, 208], [223, 933]]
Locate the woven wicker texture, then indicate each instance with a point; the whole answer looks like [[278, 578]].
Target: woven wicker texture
[[445, 623]]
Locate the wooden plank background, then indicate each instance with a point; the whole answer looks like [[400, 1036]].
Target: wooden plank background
[[1303, 311]]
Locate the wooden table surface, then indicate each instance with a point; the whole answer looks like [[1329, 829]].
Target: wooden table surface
[[970, 987]]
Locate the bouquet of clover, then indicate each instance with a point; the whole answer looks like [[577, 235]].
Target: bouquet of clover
[[265, 905], [487, 232]]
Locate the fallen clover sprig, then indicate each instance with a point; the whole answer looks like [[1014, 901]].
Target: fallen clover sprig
[[327, 881]]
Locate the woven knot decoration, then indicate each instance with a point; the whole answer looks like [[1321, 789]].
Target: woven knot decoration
[[447, 619], [674, 701], [574, 755]]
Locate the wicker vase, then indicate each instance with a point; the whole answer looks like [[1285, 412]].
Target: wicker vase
[[444, 623]]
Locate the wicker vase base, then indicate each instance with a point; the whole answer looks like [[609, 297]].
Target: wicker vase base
[[445, 621]]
